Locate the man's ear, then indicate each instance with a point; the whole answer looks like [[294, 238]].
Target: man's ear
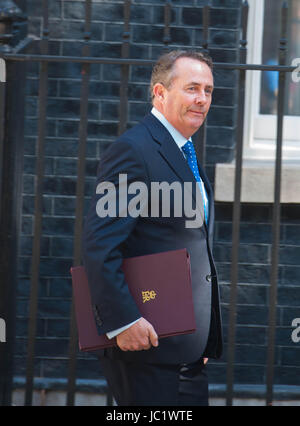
[[159, 92]]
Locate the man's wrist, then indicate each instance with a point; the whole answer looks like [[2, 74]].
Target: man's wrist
[[114, 333]]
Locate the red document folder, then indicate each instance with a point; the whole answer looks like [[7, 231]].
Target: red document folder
[[161, 287]]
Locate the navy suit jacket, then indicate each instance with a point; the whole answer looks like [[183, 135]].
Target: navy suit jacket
[[147, 153]]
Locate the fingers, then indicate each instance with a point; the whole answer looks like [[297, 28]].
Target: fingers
[[134, 346], [153, 337], [140, 336], [131, 344]]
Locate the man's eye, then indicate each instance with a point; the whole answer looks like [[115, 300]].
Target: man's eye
[[192, 89]]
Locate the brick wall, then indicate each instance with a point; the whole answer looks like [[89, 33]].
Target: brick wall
[[66, 34], [253, 292]]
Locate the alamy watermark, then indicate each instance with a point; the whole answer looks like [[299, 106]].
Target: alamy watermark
[[123, 200], [2, 71], [296, 331], [296, 72], [2, 331]]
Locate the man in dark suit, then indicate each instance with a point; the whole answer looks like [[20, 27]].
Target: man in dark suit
[[143, 370]]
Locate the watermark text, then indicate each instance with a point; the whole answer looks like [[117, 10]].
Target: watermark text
[[166, 199], [296, 72], [296, 331], [2, 331]]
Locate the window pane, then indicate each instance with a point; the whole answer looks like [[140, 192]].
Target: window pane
[[271, 34]]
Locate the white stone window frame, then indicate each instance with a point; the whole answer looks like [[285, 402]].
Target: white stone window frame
[[259, 137], [260, 129]]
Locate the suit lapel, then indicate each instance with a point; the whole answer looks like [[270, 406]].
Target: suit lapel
[[169, 150]]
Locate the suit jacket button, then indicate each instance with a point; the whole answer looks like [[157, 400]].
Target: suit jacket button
[[208, 278], [99, 320], [97, 316]]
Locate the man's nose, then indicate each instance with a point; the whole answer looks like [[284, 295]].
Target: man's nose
[[201, 98]]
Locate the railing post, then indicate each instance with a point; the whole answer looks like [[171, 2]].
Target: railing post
[[276, 210], [38, 211], [167, 35], [123, 111], [201, 135], [237, 210], [12, 83], [79, 213]]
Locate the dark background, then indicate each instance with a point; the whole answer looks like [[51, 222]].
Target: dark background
[[147, 18]]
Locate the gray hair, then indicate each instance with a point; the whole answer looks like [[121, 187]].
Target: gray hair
[[163, 69]]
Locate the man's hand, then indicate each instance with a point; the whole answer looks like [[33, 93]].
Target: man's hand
[[140, 336]]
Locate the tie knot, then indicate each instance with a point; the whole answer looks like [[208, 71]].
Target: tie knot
[[188, 148]]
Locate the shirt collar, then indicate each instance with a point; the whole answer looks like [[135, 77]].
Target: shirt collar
[[178, 137]]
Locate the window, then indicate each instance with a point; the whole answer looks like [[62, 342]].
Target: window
[[261, 111], [262, 87]]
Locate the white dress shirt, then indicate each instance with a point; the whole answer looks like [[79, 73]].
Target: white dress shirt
[[180, 141]]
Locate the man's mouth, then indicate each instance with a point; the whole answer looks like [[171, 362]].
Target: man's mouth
[[199, 113]]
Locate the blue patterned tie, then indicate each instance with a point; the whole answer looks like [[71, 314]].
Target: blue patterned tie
[[188, 149]]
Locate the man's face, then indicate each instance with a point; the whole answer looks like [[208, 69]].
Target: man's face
[[187, 101]]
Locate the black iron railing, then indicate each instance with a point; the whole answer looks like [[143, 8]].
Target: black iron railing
[[12, 59]]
